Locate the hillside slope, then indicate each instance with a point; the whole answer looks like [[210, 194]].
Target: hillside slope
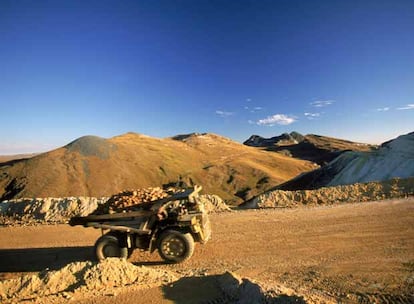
[[94, 166], [393, 159], [316, 148]]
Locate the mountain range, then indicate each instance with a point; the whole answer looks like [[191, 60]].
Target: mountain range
[[95, 166], [315, 148]]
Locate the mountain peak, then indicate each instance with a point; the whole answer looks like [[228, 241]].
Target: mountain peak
[[283, 139], [91, 145]]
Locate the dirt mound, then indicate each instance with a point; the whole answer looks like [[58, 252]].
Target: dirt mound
[[48, 209], [213, 203], [82, 280], [361, 192], [82, 277]]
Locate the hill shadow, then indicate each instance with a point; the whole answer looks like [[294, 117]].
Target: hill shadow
[[38, 259]]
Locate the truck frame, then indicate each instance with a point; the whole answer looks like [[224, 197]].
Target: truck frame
[[172, 225]]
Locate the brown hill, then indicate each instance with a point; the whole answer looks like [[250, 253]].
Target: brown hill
[[94, 166], [316, 148]]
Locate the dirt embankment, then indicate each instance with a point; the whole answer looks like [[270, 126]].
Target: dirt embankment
[[81, 280], [81, 277], [360, 192], [60, 210]]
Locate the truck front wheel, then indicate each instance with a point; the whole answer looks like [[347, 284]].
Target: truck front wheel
[[108, 246], [175, 246]]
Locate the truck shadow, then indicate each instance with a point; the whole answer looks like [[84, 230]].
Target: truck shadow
[[37, 259], [54, 258], [222, 289]]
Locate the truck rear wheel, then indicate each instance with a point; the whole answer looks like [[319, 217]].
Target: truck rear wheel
[[175, 246], [108, 246]]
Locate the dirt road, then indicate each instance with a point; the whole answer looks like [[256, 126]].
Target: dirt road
[[342, 251]]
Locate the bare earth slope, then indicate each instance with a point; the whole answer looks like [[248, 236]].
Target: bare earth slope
[[353, 253], [394, 159], [94, 166]]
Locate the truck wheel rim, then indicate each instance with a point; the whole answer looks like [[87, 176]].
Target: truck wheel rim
[[111, 251], [173, 246]]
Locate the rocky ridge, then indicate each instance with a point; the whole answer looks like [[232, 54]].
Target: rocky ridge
[[315, 148]]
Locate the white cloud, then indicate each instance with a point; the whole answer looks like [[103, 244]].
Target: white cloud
[[407, 107], [224, 113], [311, 116], [279, 119], [321, 103], [385, 109], [251, 122]]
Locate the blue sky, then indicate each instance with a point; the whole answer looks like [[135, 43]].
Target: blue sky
[[235, 68]]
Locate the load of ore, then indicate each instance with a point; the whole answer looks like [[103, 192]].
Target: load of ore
[[134, 199]]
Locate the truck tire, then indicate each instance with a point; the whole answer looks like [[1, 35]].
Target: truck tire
[[108, 246], [175, 246]]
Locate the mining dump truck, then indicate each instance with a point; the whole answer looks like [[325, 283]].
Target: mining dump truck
[[172, 225]]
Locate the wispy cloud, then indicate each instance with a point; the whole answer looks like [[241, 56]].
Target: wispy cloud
[[321, 103], [253, 109], [312, 116], [385, 109], [410, 106], [277, 119], [224, 113]]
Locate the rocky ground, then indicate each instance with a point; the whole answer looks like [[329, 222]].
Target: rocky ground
[[324, 252], [348, 253]]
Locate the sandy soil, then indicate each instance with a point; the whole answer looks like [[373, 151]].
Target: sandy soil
[[352, 253]]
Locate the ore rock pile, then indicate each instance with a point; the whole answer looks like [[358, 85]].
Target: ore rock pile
[[135, 199]]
